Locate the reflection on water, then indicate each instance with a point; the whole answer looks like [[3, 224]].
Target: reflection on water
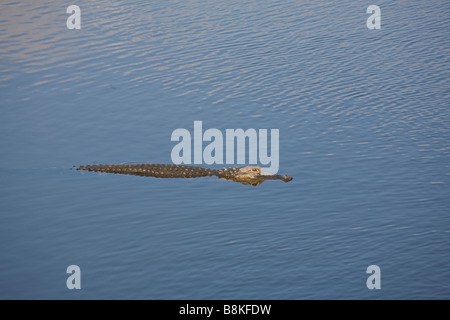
[[364, 129]]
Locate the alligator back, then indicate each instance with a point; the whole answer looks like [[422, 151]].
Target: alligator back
[[152, 170]]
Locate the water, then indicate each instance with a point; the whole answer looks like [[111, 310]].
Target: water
[[364, 130]]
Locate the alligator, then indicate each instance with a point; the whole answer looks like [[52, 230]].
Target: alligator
[[250, 175]]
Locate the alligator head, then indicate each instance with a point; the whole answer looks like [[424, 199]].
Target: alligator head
[[254, 175]]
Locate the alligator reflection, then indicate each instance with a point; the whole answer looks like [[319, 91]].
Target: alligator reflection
[[251, 175]]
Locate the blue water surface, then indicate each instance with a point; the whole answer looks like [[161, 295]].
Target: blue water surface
[[364, 130]]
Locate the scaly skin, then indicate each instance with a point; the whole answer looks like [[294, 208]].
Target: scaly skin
[[252, 175]]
